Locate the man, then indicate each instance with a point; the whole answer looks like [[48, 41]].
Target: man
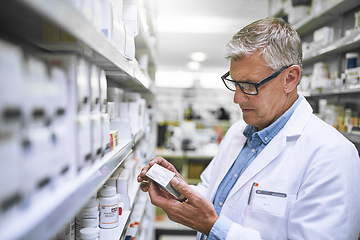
[[281, 172]]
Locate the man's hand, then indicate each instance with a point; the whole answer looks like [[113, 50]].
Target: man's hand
[[196, 212], [144, 180]]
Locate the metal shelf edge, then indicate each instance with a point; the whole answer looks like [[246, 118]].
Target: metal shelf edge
[[54, 208]]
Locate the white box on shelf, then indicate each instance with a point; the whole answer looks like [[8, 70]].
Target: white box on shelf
[[63, 152], [107, 16], [324, 35], [95, 89], [11, 86], [96, 136], [37, 168], [76, 3], [118, 30], [83, 141], [132, 96], [122, 187], [129, 50], [83, 86], [34, 101], [352, 75], [105, 128], [134, 111], [142, 113], [10, 150], [122, 182], [118, 4], [124, 112], [68, 63], [103, 91], [111, 111], [87, 8], [130, 17], [61, 94], [97, 14], [115, 94]]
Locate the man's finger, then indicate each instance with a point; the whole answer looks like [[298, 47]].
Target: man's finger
[[160, 197], [162, 162], [186, 191]]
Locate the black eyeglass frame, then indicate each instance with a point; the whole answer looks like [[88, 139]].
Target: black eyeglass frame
[[256, 85]]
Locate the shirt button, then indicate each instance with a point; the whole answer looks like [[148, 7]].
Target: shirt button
[[253, 150], [236, 175], [221, 203], [266, 138]]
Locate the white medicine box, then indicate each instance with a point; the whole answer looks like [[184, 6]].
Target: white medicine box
[[96, 136], [37, 167], [105, 129], [35, 87], [95, 89], [103, 91], [107, 17], [83, 141], [10, 149], [60, 98], [78, 80], [11, 85], [83, 86], [63, 152]]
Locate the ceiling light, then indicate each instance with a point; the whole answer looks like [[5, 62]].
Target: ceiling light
[[193, 65], [198, 56]]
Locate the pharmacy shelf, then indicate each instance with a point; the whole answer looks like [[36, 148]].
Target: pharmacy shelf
[[346, 89], [91, 43], [314, 21], [343, 45], [51, 209]]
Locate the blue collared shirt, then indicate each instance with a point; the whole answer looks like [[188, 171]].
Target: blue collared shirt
[[255, 143]]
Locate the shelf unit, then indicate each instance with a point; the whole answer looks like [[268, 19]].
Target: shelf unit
[[58, 206], [50, 210], [91, 44], [314, 21], [338, 14]]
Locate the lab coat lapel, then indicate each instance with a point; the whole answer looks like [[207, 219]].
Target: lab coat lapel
[[229, 158], [292, 128], [268, 154]]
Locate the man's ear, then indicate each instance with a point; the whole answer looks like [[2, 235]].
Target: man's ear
[[292, 78]]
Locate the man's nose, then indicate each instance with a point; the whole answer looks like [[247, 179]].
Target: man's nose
[[240, 96]]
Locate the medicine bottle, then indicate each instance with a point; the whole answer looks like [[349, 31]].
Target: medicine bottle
[[89, 234], [109, 207], [91, 223], [91, 209]]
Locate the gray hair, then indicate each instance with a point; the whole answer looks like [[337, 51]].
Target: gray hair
[[277, 41]]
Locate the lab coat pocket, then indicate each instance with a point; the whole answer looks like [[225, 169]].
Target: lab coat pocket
[[268, 213]]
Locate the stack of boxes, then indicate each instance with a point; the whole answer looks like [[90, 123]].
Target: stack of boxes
[[35, 126], [116, 19]]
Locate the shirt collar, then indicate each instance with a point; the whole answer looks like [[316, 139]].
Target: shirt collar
[[268, 133]]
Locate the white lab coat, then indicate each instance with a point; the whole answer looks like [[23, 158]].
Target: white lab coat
[[308, 160]]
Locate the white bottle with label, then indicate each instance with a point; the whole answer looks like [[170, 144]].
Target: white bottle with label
[[109, 207]]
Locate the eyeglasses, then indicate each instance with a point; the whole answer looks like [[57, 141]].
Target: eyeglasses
[[246, 87]]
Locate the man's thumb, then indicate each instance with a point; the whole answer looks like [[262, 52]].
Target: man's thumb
[[175, 181]]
